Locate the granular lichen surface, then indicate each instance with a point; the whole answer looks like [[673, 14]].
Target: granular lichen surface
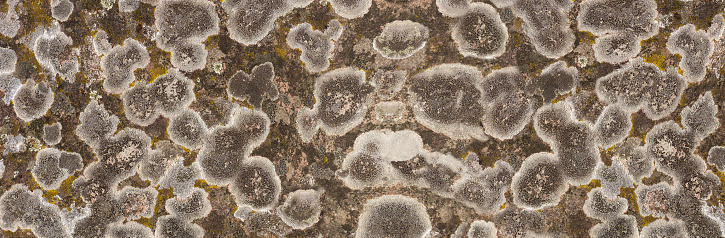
[[362, 118]]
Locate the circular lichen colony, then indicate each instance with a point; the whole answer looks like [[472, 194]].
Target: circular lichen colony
[[445, 99], [480, 33], [445, 118], [393, 216], [401, 39]]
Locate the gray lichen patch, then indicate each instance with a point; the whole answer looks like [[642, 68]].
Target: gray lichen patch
[[194, 206], [96, 124], [167, 95], [315, 45], [480, 33], [612, 126], [639, 85], [184, 21], [301, 209], [393, 216], [52, 133], [250, 21], [342, 99], [172, 226], [227, 147], [547, 26], [621, 226], [620, 25], [22, 208], [61, 9], [255, 87], [695, 47], [256, 184], [401, 39], [129, 229], [539, 182], [52, 166], [572, 141], [119, 63], [616, 48], [181, 178], [8, 60], [351, 8], [137, 203], [555, 79], [445, 98], [613, 178], [119, 156], [32, 100], [187, 129], [599, 206], [163, 156], [53, 51]]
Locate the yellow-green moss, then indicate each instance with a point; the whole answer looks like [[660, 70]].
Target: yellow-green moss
[[595, 183], [164, 194], [656, 58], [586, 37], [38, 13], [49, 194], [204, 185]]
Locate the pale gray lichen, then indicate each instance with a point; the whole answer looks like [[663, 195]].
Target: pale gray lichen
[[539, 182], [53, 51], [393, 216], [256, 87], [695, 47], [8, 60], [256, 184], [301, 209], [250, 21], [61, 9], [655, 199], [342, 99], [181, 178], [639, 85], [228, 146], [445, 98], [52, 166], [546, 23], [351, 8], [52, 133], [480, 33], [119, 62], [316, 46], [9, 85], [401, 39], [32, 100], [599, 206]]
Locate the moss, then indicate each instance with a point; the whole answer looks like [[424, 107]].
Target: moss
[[656, 58], [37, 13], [668, 6], [585, 37], [114, 24], [703, 12], [281, 52], [49, 194], [66, 185], [595, 183], [144, 14], [164, 194], [204, 185], [156, 70]]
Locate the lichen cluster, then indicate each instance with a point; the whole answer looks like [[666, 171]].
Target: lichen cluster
[[362, 118]]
